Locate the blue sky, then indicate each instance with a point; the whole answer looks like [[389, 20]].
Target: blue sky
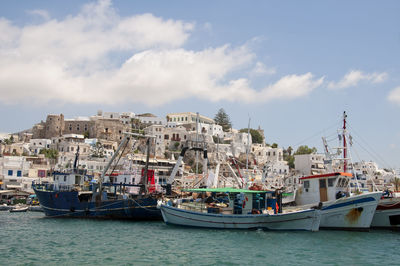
[[292, 66]]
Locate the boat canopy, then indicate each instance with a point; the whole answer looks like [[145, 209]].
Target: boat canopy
[[227, 190]]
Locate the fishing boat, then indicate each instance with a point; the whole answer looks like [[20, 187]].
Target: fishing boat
[[89, 199], [238, 209], [387, 214], [341, 208]]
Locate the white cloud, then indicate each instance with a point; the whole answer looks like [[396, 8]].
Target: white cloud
[[354, 77], [261, 69], [96, 56], [39, 12], [394, 95]]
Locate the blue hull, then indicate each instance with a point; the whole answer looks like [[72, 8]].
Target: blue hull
[[68, 204]]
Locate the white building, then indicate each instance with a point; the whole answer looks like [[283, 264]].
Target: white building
[[13, 170], [152, 120], [36, 145], [309, 164], [188, 117], [158, 132], [67, 147]]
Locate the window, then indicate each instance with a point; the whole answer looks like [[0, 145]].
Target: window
[[19, 173], [331, 181], [65, 178], [10, 172], [306, 184], [322, 183]]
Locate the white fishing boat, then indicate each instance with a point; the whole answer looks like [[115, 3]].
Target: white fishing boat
[[387, 214], [341, 208], [243, 209]]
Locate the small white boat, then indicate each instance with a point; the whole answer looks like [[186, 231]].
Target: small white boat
[[387, 214], [246, 209], [19, 209]]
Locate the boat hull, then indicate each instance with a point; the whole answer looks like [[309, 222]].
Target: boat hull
[[307, 220], [387, 214], [67, 204], [19, 209], [350, 213]]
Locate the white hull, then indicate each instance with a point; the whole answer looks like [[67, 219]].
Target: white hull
[[302, 220], [351, 213], [19, 209], [387, 214]]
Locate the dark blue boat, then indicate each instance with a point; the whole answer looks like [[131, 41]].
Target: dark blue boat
[[99, 199], [86, 204]]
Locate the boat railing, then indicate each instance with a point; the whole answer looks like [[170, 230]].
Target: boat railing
[[53, 187]]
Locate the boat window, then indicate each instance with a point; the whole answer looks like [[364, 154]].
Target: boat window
[[322, 183], [306, 184], [331, 181]]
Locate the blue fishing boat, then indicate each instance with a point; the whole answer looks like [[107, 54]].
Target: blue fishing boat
[[87, 199]]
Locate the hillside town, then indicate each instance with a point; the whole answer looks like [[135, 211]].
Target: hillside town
[[51, 147]]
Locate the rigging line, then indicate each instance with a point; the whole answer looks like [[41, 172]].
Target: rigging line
[[371, 154], [377, 154], [316, 134]]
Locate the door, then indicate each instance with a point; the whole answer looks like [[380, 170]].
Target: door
[[323, 192]]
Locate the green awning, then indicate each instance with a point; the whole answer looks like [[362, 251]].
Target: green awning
[[226, 190]]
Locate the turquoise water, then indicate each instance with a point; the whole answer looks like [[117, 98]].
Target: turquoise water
[[30, 239]]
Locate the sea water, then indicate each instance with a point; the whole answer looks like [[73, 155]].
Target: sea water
[[31, 239]]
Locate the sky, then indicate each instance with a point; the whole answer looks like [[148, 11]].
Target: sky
[[291, 67]]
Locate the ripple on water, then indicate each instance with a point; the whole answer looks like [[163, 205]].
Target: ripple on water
[[30, 239]]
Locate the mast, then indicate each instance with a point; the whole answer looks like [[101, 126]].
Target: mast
[[145, 177], [197, 141], [344, 143]]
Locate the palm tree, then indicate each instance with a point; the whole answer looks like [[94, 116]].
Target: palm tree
[[396, 182]]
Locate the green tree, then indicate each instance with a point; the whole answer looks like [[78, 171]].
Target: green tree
[[305, 150], [274, 145], [287, 156], [256, 137], [9, 141], [49, 153], [222, 119]]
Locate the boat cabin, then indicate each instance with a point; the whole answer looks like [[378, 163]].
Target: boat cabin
[[321, 188], [69, 179]]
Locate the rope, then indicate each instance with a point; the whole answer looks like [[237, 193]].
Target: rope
[[376, 156]]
